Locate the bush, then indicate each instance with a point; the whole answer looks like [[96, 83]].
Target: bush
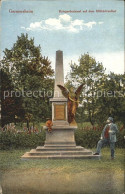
[[89, 138], [86, 138], [21, 140]]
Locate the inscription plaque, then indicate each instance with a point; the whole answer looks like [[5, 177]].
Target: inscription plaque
[[59, 112]]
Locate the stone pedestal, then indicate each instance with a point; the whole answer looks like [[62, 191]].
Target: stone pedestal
[[60, 136]]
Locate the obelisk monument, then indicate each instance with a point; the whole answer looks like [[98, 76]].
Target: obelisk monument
[[60, 143], [59, 102], [62, 132], [59, 74]]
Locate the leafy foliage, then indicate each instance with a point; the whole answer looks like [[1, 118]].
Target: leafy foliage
[[32, 77], [21, 140], [103, 95], [10, 105], [90, 73]]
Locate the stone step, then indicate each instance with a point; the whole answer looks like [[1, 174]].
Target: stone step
[[59, 145], [28, 156], [65, 148], [58, 152]]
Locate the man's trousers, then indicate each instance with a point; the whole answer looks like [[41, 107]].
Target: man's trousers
[[103, 142]]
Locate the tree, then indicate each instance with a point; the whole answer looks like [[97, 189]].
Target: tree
[[114, 99], [103, 95], [30, 73], [91, 73], [10, 106]]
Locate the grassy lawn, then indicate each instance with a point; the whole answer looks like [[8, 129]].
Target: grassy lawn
[[61, 176]]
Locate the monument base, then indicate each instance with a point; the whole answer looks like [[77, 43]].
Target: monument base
[[60, 135], [60, 144]]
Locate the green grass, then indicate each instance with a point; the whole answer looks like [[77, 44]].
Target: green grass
[[76, 176], [11, 160]]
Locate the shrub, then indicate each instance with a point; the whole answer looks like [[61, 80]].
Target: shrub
[[89, 138], [21, 140], [86, 138]]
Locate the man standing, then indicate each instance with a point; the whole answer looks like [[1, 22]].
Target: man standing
[[108, 136]]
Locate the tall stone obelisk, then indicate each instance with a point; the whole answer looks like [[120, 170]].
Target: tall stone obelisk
[[59, 102], [59, 74]]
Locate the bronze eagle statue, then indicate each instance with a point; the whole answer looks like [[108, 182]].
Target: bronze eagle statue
[[73, 101]]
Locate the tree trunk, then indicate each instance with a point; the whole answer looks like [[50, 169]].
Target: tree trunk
[[28, 125]]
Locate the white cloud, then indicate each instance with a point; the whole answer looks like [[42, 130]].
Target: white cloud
[[65, 18], [63, 22], [72, 29], [77, 23], [90, 24], [52, 22], [36, 25], [100, 22]]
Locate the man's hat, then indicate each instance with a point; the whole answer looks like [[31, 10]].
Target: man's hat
[[110, 118]]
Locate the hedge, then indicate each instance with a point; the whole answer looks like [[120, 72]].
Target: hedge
[[90, 138], [85, 138], [21, 140]]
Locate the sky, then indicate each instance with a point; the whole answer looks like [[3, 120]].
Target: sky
[[101, 34]]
